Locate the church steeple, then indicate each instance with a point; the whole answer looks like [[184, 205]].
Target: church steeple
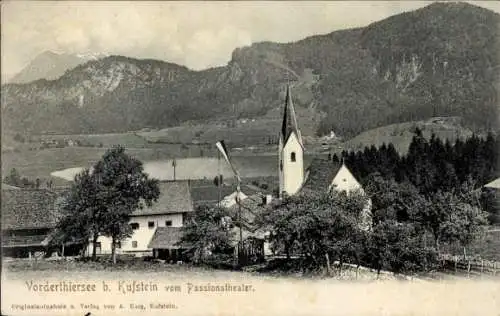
[[290, 151], [289, 124]]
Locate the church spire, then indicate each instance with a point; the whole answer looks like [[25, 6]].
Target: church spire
[[289, 119]]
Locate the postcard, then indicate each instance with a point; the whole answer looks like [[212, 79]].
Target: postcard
[[250, 158]]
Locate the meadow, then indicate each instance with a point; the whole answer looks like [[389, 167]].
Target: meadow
[[401, 134]]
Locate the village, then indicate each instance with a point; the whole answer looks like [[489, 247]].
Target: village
[[235, 224]]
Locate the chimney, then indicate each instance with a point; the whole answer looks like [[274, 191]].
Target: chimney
[[268, 198]]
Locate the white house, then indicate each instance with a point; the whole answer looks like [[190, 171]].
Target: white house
[[167, 214]]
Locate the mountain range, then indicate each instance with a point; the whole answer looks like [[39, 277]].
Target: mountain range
[[441, 60], [52, 65]]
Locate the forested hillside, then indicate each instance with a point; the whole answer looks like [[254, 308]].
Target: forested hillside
[[441, 60]]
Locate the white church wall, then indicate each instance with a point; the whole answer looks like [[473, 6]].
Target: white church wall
[[345, 181], [293, 171]]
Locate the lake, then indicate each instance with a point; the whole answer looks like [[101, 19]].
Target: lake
[[200, 168]]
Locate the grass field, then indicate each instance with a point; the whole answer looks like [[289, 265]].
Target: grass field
[[400, 135], [129, 140]]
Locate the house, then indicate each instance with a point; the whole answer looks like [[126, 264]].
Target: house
[[255, 247], [323, 175], [491, 200], [29, 216], [164, 216], [495, 184], [165, 244], [211, 195]]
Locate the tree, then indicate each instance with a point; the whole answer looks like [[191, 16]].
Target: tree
[[318, 227], [100, 202], [392, 200], [209, 232], [399, 247], [83, 216], [124, 187], [13, 178]]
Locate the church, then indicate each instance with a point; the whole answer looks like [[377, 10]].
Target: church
[[321, 175]]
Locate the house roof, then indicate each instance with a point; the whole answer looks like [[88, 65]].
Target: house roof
[[166, 238], [25, 241], [230, 199], [29, 209], [174, 198], [289, 124], [251, 208], [320, 174], [495, 184], [9, 187], [209, 194]]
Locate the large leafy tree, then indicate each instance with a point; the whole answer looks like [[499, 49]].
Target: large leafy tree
[[101, 202], [83, 217], [124, 187], [318, 227], [398, 247]]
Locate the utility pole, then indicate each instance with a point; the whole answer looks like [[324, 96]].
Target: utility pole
[[238, 200], [219, 182], [174, 164]]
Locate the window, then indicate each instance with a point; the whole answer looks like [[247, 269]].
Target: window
[[281, 165], [134, 244], [151, 224], [134, 226], [98, 247], [168, 223], [292, 157]]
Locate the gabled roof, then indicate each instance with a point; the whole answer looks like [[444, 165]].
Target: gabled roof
[[29, 209], [324, 175], [6, 186], [230, 199], [344, 180], [289, 124], [166, 238], [209, 194], [251, 208], [25, 241], [174, 198], [320, 174], [495, 184]]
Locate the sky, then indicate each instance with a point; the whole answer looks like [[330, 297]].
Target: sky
[[198, 35]]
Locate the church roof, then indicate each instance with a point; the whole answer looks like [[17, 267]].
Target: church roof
[[324, 175], [320, 174], [289, 124]]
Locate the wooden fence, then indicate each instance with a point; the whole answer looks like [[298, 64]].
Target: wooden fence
[[470, 266], [250, 251]]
